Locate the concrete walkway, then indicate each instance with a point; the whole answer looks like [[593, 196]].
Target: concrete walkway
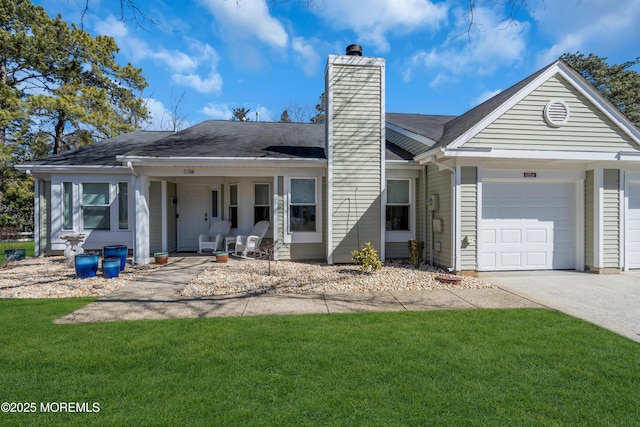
[[155, 297]]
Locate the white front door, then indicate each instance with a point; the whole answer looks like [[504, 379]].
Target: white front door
[[633, 227], [528, 226], [193, 203]]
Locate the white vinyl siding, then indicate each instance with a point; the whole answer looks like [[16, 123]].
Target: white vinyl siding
[[523, 126], [355, 135], [611, 219], [468, 217], [439, 183]]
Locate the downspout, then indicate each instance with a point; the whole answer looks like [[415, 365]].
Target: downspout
[[453, 222]]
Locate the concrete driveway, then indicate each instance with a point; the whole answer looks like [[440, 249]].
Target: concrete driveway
[[610, 301]]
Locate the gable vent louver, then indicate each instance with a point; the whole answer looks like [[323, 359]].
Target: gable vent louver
[[556, 113]]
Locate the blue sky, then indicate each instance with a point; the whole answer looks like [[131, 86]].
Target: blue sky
[[268, 55]]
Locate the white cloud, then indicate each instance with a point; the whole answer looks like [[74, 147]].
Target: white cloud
[[161, 117], [217, 111], [492, 44], [188, 69], [601, 27], [247, 19], [373, 20], [308, 57]]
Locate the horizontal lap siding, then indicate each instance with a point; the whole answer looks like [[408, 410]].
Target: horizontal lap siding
[[611, 219], [439, 182], [356, 127], [523, 126], [589, 225], [406, 143], [468, 217]]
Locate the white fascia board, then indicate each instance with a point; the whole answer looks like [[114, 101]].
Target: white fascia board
[[99, 169], [584, 156], [506, 106], [222, 161], [421, 139], [593, 95], [577, 82], [402, 164]]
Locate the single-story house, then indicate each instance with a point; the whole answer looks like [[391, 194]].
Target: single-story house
[[545, 175]]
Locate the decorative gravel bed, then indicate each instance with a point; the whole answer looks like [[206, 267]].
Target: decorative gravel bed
[[300, 277], [51, 277]]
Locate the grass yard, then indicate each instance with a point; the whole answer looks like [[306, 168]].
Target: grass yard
[[29, 246], [468, 367]]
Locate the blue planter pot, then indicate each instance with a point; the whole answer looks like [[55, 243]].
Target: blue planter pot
[[86, 265], [116, 251], [110, 267]]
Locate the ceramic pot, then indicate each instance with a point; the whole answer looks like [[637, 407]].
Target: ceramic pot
[[86, 265], [222, 256], [110, 267], [161, 257], [116, 251]]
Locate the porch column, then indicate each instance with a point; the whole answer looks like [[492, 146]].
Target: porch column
[[141, 226]]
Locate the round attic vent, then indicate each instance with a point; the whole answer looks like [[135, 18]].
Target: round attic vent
[[556, 113]]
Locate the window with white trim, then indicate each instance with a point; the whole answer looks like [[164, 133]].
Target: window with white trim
[[302, 205], [67, 206], [398, 206], [261, 202], [95, 205], [233, 205], [123, 206]]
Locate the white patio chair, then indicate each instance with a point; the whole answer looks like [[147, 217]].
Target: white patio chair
[[249, 243], [214, 238]]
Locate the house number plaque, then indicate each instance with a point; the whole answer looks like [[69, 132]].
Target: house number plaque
[[529, 174], [188, 171]]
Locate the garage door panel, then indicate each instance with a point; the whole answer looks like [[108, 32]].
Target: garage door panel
[[532, 226], [633, 227]]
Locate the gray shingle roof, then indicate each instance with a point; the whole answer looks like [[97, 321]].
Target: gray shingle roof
[[240, 140], [429, 126], [103, 153], [219, 139]]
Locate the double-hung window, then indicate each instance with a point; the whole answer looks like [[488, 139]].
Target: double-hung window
[[96, 209], [67, 206], [398, 208], [233, 205], [261, 203], [302, 205], [123, 206]]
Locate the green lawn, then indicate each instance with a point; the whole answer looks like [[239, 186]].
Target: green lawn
[[471, 367], [29, 246]]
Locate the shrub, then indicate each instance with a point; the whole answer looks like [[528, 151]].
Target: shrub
[[416, 248], [367, 259]]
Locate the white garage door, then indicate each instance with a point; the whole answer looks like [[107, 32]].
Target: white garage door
[[528, 226], [633, 227]]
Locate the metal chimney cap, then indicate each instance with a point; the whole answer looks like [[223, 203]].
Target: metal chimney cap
[[354, 50]]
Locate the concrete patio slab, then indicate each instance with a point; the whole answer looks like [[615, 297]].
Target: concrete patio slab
[[269, 304], [493, 298], [438, 299], [354, 302]]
